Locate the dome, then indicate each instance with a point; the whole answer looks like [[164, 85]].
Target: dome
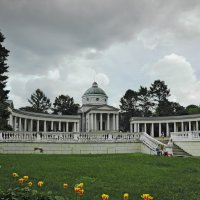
[[94, 90]]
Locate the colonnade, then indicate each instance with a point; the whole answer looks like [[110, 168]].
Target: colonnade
[[156, 129], [42, 124], [102, 122]]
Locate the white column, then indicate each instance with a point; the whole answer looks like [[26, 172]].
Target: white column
[[59, 126], [113, 122], [167, 129], [74, 129], [135, 127], [45, 126], [145, 127], [117, 122], [182, 127], [174, 126], [20, 124], [52, 126], [11, 120], [92, 122], [25, 124], [89, 125], [101, 121], [189, 125], [152, 129], [160, 131], [38, 125], [67, 127], [15, 123], [31, 125], [78, 127], [95, 121], [197, 126], [131, 127], [138, 127], [108, 121]]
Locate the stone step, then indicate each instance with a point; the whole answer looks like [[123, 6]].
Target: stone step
[[177, 151]]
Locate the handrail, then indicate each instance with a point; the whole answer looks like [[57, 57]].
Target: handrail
[[63, 137]]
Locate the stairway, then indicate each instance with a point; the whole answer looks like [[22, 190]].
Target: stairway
[[178, 152]]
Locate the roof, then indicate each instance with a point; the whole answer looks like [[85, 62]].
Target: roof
[[94, 90]]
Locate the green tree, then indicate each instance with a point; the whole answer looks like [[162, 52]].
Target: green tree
[[193, 109], [160, 93], [39, 101], [4, 114], [168, 108], [65, 105], [145, 102], [129, 107]]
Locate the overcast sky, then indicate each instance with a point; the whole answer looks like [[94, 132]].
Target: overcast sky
[[62, 46]]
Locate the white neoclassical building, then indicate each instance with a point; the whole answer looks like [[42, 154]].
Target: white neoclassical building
[[94, 115], [156, 126]]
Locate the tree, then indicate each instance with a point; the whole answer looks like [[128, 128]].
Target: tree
[[145, 102], [129, 107], [193, 109], [65, 105], [159, 92], [4, 114], [168, 108], [40, 103]]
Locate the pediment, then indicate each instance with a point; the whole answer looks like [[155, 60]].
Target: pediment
[[104, 108]]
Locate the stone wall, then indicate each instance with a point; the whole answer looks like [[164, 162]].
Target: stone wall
[[192, 148], [58, 148]]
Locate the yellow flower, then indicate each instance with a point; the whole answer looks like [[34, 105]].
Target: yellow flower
[[65, 185], [40, 183], [30, 184], [21, 180], [25, 178], [14, 174], [147, 197], [80, 185], [104, 197], [126, 195]]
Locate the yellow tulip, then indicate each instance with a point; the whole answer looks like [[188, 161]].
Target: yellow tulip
[[80, 185], [30, 184], [126, 195], [65, 185], [40, 183], [21, 180], [14, 174], [25, 178], [104, 197]]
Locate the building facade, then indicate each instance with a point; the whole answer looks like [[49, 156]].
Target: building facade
[[94, 115], [156, 126]]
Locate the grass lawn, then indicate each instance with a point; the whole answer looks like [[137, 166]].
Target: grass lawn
[[163, 177]]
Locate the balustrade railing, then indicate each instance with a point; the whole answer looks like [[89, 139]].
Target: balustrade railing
[[63, 137], [150, 142], [186, 136]]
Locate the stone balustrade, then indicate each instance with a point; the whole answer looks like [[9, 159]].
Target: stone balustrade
[[63, 137], [186, 136]]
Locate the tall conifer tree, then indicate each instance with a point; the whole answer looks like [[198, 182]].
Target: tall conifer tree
[[4, 114]]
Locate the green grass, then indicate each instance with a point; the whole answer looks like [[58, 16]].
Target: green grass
[[163, 177]]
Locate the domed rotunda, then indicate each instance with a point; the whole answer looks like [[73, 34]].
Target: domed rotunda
[[96, 115], [94, 96]]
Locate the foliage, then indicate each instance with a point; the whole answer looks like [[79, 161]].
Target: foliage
[[3, 69], [4, 114], [145, 102], [149, 102], [39, 102], [65, 105], [114, 175], [193, 109]]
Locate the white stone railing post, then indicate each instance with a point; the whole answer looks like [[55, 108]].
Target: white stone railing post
[[1, 138]]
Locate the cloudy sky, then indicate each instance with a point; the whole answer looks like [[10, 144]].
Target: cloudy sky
[[62, 46]]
